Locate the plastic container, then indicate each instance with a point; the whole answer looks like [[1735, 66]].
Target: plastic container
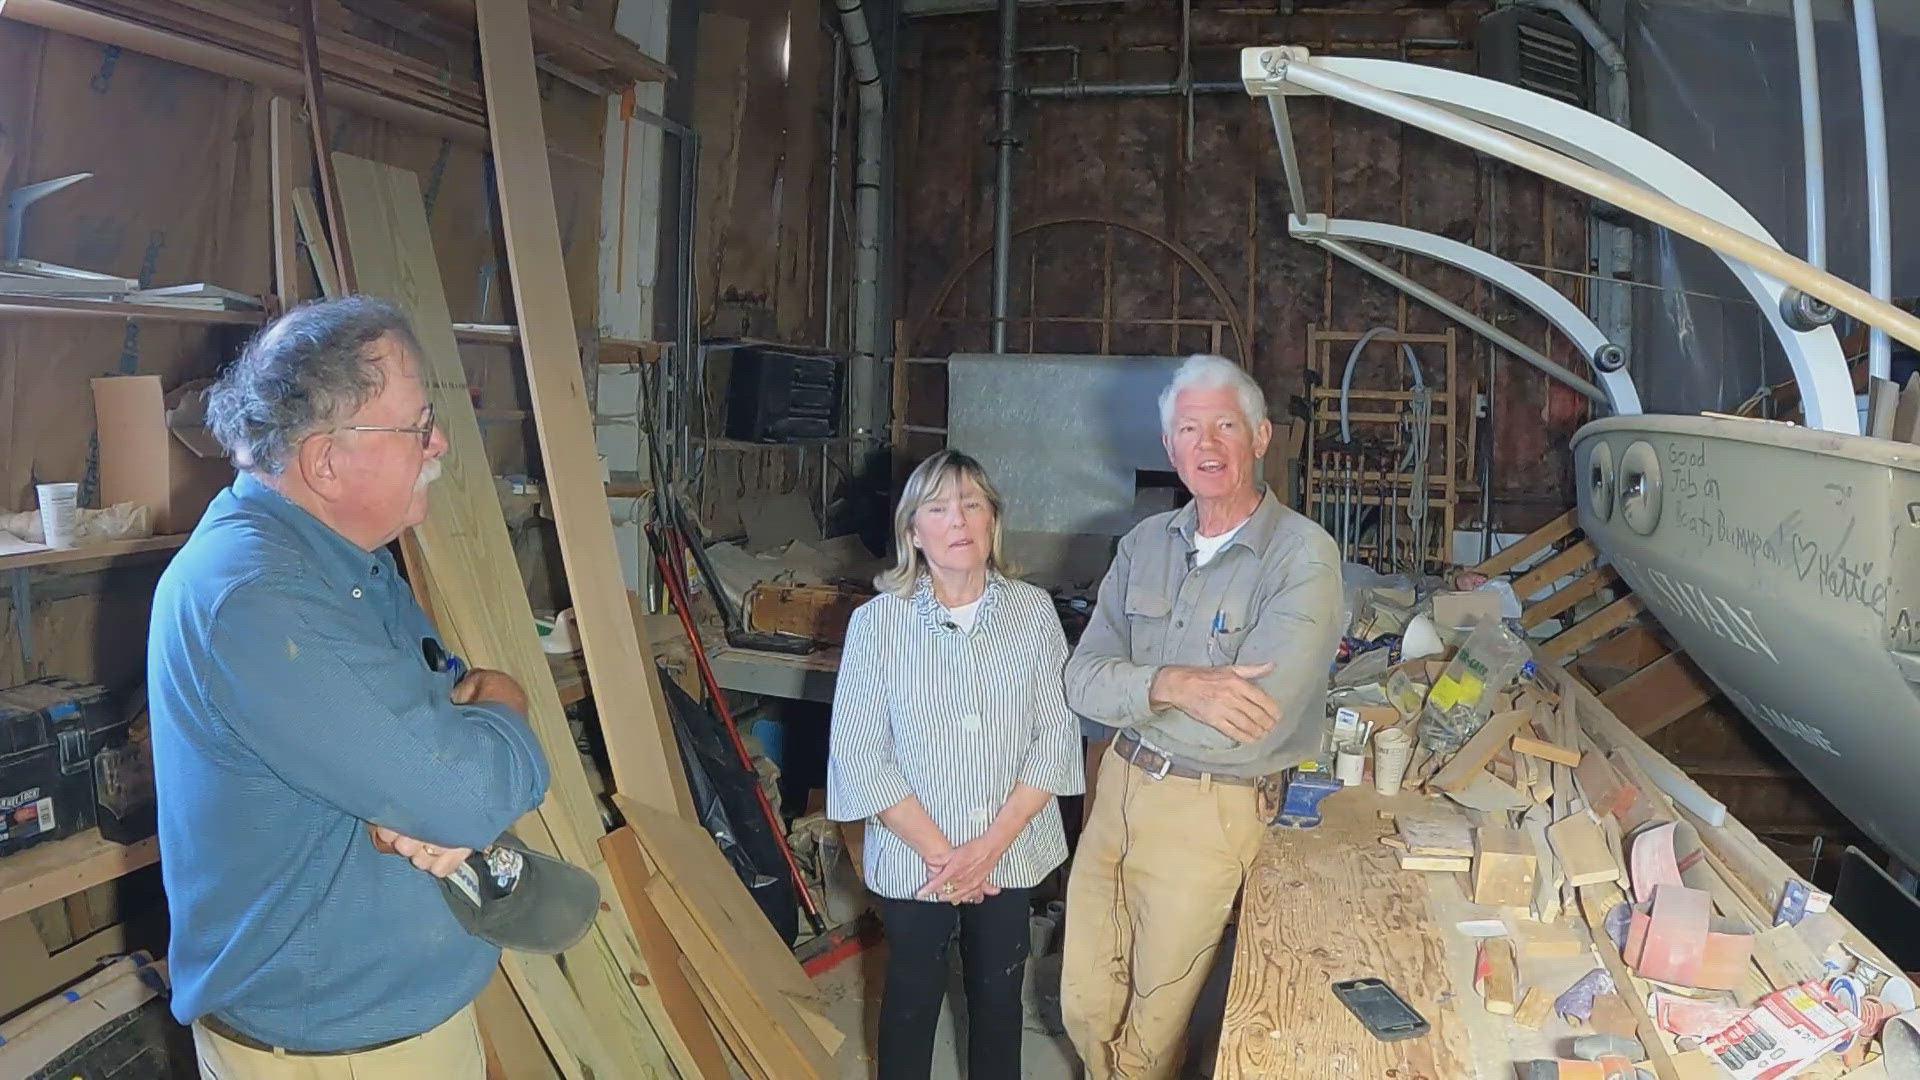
[[1462, 697]]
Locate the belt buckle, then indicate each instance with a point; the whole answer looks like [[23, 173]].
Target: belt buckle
[[1166, 763]]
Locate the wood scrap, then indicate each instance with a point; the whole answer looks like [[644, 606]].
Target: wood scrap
[[1545, 750], [1489, 794], [1535, 1009], [1472, 757], [1503, 867], [1436, 863], [1784, 957], [1548, 877], [1550, 941], [1602, 786], [1496, 977], [1611, 1016], [1447, 835], [1581, 847]]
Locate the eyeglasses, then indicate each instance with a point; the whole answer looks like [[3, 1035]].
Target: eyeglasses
[[425, 431]]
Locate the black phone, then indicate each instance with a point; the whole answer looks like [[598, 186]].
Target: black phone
[[1385, 1013]]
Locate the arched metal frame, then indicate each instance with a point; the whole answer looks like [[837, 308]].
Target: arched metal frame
[[1549, 302], [1608, 162]]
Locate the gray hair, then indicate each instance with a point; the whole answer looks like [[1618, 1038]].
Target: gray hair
[[925, 484], [1206, 372], [309, 369]]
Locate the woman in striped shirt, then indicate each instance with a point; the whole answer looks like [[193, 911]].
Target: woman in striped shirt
[[951, 738]]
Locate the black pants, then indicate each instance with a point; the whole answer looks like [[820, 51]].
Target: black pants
[[993, 960]]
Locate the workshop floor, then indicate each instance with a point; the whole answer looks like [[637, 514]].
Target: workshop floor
[[852, 994]]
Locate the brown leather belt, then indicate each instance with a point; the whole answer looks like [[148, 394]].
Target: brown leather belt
[[228, 1032], [1159, 766]]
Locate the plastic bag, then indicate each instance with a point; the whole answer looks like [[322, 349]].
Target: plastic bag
[[1462, 697]]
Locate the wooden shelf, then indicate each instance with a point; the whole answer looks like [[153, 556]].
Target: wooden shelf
[[69, 307], [54, 871], [486, 333], [112, 549]]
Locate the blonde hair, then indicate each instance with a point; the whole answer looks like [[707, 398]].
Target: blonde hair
[[926, 483]]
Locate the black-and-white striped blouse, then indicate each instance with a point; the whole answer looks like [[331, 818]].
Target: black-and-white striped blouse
[[957, 718]]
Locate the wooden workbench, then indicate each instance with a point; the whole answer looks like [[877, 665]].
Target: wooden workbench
[[1331, 903]]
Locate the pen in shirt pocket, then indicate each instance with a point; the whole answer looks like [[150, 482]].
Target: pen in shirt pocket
[[1214, 651]]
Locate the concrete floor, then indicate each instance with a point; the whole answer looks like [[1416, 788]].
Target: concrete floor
[[852, 995]]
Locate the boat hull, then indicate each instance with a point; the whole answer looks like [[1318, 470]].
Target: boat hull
[[1784, 561]]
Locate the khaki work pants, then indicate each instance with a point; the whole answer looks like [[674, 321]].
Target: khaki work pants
[[1153, 884], [449, 1052]]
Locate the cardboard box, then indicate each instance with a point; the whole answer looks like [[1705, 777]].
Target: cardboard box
[[155, 449]]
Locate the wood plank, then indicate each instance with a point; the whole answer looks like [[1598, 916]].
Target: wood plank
[[1536, 541], [1633, 996], [1471, 758], [1555, 568], [634, 722], [1659, 694], [110, 550], [58, 869], [314, 238], [1596, 626], [1581, 847], [1545, 751], [289, 169], [686, 855], [484, 615], [1625, 652], [1565, 598], [771, 1033], [706, 1059], [510, 1036], [1536, 1009], [1437, 864]]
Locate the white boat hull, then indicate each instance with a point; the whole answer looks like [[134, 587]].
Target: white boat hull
[[1785, 561]]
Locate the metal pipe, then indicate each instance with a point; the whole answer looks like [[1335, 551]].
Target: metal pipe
[[1121, 89], [1003, 173], [863, 314], [1812, 144], [1289, 157], [1873, 119], [1466, 318], [833, 177]]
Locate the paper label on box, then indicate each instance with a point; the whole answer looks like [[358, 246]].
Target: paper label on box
[[1788, 1031], [44, 811]]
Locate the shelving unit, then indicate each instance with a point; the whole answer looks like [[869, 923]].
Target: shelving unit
[[54, 871], [112, 549]]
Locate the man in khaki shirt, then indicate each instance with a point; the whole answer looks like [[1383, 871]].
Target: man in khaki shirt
[[1208, 649]]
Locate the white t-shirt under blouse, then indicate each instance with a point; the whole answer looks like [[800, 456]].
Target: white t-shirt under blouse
[[1206, 547]]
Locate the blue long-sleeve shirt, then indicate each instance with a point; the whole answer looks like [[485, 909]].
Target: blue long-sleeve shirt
[[292, 705]]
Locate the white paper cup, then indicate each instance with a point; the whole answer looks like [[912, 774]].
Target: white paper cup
[[1391, 750], [1350, 764], [59, 511]]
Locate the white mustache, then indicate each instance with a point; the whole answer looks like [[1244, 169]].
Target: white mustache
[[428, 474]]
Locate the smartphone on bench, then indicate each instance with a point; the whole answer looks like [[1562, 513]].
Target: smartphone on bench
[[1385, 1013]]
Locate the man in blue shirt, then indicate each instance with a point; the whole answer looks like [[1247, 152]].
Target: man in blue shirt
[[299, 701]]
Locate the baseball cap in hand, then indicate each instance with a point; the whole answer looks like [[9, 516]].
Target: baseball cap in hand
[[522, 900]]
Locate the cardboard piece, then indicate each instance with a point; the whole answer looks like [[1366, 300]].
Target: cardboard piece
[[1464, 610], [152, 450]]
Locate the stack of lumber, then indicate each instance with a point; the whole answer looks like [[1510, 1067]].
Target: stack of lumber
[[681, 975], [255, 40], [1656, 683], [1595, 851]]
